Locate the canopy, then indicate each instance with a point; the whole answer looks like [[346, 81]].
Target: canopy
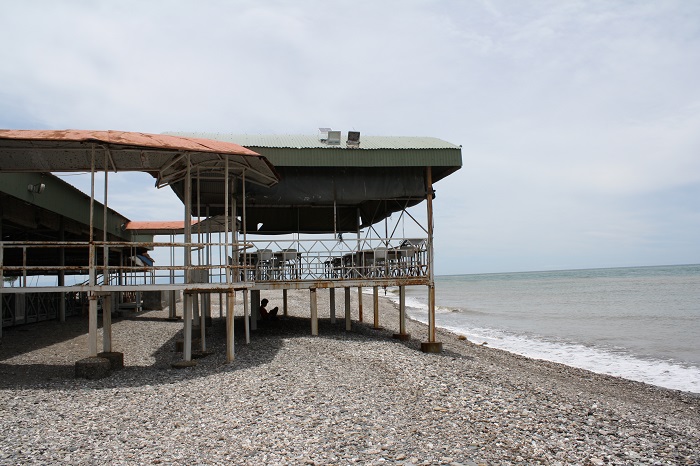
[[165, 157]]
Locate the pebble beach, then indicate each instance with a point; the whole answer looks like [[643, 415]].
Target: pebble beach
[[358, 397]]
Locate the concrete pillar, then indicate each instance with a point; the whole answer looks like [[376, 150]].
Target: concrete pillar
[[313, 299], [230, 301], [348, 321], [332, 298]]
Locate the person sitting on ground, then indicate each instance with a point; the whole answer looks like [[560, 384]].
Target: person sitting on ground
[[265, 314]]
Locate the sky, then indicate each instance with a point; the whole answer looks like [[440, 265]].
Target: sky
[[579, 121]]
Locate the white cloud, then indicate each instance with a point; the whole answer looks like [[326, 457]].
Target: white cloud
[[572, 115]]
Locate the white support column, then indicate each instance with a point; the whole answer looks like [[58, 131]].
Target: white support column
[[402, 310], [202, 325], [432, 345], [230, 301], [172, 308], [375, 302], [313, 298], [246, 317], [107, 323], [402, 335], [348, 321], [187, 329], [332, 299], [187, 297], [92, 325]]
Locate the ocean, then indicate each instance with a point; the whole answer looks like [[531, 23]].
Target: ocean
[[640, 323]]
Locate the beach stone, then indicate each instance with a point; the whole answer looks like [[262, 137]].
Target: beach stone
[[92, 368], [345, 398]]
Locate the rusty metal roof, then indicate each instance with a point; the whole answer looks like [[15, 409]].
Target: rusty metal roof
[[216, 223], [163, 156]]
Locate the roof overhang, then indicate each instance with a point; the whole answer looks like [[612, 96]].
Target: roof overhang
[[167, 158]]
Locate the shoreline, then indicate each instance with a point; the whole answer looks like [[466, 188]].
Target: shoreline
[[339, 398]]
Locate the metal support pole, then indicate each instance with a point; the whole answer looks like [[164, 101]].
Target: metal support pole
[[92, 298], [230, 301], [246, 317], [348, 321], [187, 313], [105, 249], [432, 345], [313, 298], [92, 325], [187, 328], [254, 309], [107, 323], [62, 272], [202, 324], [359, 304], [402, 310], [284, 302], [375, 302], [402, 335], [332, 299]]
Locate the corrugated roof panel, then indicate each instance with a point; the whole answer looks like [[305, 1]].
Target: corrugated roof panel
[[297, 141]]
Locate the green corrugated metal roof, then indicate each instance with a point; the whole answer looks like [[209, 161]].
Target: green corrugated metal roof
[[297, 141]]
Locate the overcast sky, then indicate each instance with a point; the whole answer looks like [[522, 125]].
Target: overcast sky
[[579, 120]]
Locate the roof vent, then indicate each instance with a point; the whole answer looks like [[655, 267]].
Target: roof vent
[[353, 141], [333, 138], [323, 134]]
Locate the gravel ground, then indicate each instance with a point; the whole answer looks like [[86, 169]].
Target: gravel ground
[[339, 398]]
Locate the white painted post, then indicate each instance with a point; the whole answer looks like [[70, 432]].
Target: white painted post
[[92, 325], [187, 330], [402, 310], [348, 321], [376, 306], [246, 318], [230, 301], [314, 311], [202, 324], [107, 323]]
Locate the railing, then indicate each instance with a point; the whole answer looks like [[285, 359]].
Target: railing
[[266, 261], [332, 260]]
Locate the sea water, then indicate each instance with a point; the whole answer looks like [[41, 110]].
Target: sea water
[[640, 323]]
